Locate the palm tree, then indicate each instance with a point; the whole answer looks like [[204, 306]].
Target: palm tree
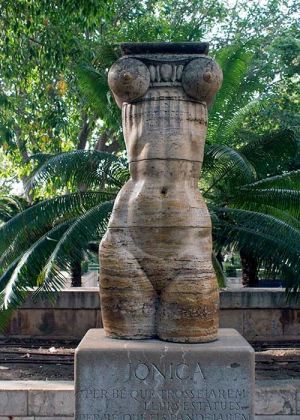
[[10, 205], [260, 217], [237, 158], [254, 209]]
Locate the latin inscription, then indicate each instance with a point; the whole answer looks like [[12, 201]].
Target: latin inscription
[[170, 391], [168, 371]]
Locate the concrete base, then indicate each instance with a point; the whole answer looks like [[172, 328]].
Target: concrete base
[[156, 380]]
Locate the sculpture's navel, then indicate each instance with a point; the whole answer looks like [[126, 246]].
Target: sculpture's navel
[[156, 275]]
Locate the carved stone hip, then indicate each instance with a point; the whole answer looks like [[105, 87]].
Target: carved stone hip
[[156, 274]]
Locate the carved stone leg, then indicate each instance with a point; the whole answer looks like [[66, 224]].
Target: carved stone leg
[[188, 309], [156, 272], [128, 300]]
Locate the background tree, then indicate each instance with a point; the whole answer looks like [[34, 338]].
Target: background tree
[[256, 213], [54, 99], [45, 44]]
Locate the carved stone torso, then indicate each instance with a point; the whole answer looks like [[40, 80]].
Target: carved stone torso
[[156, 272]]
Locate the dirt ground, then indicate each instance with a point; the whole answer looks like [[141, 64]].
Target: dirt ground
[[54, 360], [36, 360]]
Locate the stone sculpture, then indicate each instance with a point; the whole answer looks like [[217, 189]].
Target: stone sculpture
[[156, 274]]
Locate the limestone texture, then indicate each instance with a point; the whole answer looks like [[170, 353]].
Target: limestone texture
[[156, 277]]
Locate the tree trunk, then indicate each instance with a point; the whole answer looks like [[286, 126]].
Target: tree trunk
[[21, 144], [84, 132], [101, 145], [220, 258], [249, 269], [76, 273], [82, 140]]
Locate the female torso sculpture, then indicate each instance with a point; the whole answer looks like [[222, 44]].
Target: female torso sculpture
[[156, 274]]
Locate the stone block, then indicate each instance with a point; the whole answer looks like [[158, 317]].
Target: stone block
[[278, 399], [231, 318], [53, 418], [16, 418], [290, 320], [255, 298], [13, 402], [53, 322], [154, 380], [69, 298], [277, 417], [298, 401], [50, 403], [260, 324]]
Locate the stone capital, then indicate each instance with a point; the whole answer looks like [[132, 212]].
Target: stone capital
[[149, 66]]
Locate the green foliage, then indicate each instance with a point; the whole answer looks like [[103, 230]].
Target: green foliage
[[101, 170], [219, 272], [223, 161], [267, 237], [55, 108], [89, 227], [9, 206], [250, 172]]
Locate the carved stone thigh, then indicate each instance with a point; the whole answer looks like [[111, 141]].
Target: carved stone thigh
[[158, 281], [188, 309], [128, 300]]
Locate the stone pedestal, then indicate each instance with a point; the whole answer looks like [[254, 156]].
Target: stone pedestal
[[156, 380]]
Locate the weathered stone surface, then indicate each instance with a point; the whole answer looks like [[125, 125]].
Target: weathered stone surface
[[278, 400], [129, 79], [239, 298], [264, 307], [232, 318], [150, 379], [257, 323], [271, 390], [50, 403], [257, 297], [27, 399], [17, 418], [53, 418], [201, 79], [156, 275], [165, 47], [279, 417], [13, 402], [54, 322]]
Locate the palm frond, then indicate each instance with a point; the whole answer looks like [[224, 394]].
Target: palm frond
[[9, 206], [24, 275], [234, 61], [232, 127], [289, 180], [99, 168], [14, 250], [5, 276], [267, 237], [89, 227], [93, 84], [219, 272], [34, 220], [20, 276], [271, 152], [283, 215], [225, 163], [282, 199]]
